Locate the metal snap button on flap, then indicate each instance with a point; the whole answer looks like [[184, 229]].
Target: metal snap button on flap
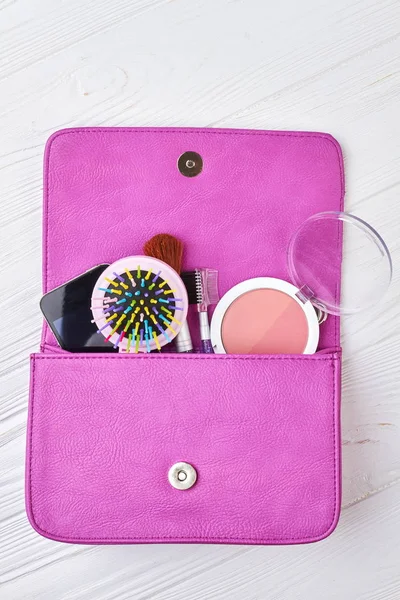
[[190, 164], [182, 476]]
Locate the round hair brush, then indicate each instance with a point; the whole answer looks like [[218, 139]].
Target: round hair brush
[[169, 249], [139, 304]]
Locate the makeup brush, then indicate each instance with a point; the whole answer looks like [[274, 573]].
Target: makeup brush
[[202, 289], [169, 249]]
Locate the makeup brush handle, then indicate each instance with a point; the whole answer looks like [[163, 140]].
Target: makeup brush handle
[[183, 341]]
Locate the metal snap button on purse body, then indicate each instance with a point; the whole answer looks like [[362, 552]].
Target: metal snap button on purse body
[[190, 164], [182, 476]]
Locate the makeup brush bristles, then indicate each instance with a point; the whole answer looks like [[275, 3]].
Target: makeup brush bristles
[[167, 248]]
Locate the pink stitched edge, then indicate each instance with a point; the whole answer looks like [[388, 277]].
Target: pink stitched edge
[[221, 357], [200, 131], [236, 540]]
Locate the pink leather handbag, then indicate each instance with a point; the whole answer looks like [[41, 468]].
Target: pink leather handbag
[[262, 432]]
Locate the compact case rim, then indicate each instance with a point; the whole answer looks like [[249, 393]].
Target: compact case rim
[[267, 283]]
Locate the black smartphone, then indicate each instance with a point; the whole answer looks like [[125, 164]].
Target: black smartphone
[[68, 313]]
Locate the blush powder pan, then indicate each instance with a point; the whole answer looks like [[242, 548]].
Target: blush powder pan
[[264, 316]]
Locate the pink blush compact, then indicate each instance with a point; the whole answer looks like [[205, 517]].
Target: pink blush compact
[[264, 316], [264, 321]]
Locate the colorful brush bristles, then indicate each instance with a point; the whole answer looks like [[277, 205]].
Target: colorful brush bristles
[[138, 310]]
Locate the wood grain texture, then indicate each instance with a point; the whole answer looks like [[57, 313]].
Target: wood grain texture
[[314, 65]]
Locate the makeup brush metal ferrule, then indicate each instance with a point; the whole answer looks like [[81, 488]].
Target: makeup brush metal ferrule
[[183, 340]]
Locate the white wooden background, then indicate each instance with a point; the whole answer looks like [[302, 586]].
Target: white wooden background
[[312, 64]]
